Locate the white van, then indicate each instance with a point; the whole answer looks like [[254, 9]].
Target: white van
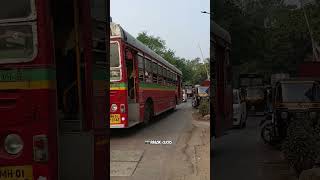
[[239, 109], [184, 96]]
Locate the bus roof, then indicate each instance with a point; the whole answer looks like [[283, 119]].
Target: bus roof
[[220, 32], [117, 31]]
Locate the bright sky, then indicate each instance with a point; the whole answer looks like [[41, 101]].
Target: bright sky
[[179, 22]]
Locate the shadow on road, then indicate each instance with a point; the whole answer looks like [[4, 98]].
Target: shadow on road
[[139, 127]]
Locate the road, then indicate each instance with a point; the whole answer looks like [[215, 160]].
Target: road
[[241, 155], [186, 158]]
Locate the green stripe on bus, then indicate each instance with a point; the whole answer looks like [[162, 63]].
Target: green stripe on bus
[[28, 74], [156, 86], [118, 85]]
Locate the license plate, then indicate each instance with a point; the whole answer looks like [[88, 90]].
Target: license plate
[[16, 173], [114, 118], [10, 75]]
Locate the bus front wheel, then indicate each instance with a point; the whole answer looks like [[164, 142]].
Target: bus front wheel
[[148, 112]]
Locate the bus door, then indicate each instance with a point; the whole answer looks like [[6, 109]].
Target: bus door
[[77, 146], [132, 78]]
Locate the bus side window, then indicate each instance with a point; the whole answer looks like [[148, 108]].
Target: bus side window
[[148, 71], [164, 76], [141, 68], [155, 72], [160, 74]]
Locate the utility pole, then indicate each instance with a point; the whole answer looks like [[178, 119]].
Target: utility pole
[[314, 49], [205, 66]]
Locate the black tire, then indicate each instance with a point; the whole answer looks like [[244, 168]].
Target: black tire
[[148, 112]]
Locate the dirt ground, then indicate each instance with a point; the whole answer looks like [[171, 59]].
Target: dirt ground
[[187, 158]]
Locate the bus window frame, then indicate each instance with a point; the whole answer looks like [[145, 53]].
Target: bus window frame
[[140, 57], [35, 43], [120, 64], [160, 75], [154, 64], [148, 71], [31, 17]]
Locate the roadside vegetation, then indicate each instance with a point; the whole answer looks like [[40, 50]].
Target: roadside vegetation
[[194, 70], [268, 36], [204, 107], [302, 145]]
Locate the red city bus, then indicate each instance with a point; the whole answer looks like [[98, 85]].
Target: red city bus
[[53, 90], [143, 84], [221, 99]]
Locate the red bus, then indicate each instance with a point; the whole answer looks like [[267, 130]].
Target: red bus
[[221, 99], [53, 90], [143, 84]]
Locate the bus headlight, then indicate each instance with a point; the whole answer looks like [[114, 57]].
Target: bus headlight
[[313, 115], [114, 107], [284, 115], [13, 144]]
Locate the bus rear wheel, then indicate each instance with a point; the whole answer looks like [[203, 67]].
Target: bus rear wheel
[[148, 112]]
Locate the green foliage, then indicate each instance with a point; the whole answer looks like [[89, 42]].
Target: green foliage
[[204, 107], [194, 71], [267, 35], [302, 145]]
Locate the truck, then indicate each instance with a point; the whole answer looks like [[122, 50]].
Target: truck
[[189, 90], [277, 77]]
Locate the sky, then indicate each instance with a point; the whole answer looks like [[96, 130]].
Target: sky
[[179, 22]]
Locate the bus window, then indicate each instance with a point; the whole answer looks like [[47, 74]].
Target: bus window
[[164, 71], [115, 71], [148, 69], [160, 79], [155, 72], [141, 69], [170, 78]]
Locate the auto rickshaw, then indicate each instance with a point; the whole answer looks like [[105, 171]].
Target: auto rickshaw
[[201, 93], [256, 100], [291, 99]]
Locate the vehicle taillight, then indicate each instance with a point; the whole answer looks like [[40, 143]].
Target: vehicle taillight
[[40, 148], [122, 108]]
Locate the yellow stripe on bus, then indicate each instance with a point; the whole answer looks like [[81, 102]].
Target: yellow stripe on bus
[[118, 88], [28, 85]]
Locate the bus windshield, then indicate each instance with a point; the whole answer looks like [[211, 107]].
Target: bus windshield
[[256, 82], [245, 82], [115, 70], [254, 93], [299, 92], [203, 90], [15, 9]]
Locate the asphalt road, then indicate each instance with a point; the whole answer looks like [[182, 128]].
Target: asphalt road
[[241, 154], [132, 158]]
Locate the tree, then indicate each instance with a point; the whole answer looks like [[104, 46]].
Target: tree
[[193, 70]]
